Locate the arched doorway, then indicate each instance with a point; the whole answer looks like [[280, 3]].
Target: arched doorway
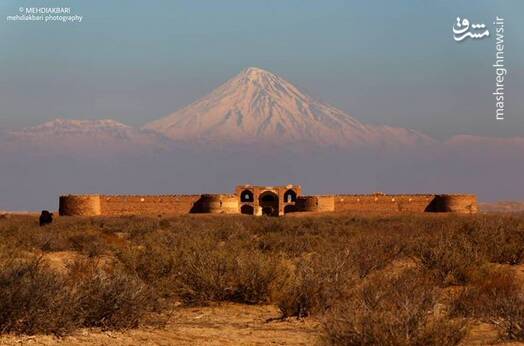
[[290, 196], [246, 196], [247, 209], [268, 201]]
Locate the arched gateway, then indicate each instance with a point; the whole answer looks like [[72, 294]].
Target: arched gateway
[[267, 200]]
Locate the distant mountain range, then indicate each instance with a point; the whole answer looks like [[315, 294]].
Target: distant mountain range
[[94, 137], [256, 107], [502, 207]]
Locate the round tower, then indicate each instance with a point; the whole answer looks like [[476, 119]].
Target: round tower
[[219, 204], [79, 205], [463, 204]]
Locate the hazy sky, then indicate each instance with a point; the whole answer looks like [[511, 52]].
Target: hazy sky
[[392, 62]]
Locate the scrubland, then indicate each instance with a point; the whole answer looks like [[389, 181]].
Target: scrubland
[[366, 279]]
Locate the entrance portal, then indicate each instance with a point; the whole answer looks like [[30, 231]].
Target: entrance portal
[[268, 201]]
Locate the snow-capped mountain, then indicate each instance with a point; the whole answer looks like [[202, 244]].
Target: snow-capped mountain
[[66, 127], [255, 107], [95, 136], [258, 106]]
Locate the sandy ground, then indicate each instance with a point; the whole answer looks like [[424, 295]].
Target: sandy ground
[[225, 324]]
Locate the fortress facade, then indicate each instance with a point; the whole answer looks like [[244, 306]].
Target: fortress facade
[[261, 200]]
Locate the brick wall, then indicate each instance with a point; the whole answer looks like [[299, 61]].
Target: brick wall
[[121, 205], [147, 205], [386, 203]]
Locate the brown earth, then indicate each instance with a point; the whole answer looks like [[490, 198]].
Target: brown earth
[[224, 324]]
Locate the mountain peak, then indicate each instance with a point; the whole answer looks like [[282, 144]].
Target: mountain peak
[[254, 79], [255, 73], [257, 106]]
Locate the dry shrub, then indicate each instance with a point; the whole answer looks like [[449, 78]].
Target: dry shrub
[[154, 263], [90, 244], [33, 299], [108, 299], [306, 265], [298, 292], [500, 238], [449, 256], [254, 272], [211, 272], [394, 310], [374, 250], [313, 283], [495, 296]]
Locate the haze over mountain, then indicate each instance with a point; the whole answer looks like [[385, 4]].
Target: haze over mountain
[[253, 110], [254, 107], [96, 137], [257, 106]]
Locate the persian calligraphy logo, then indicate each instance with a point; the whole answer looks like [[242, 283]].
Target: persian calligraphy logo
[[462, 29]]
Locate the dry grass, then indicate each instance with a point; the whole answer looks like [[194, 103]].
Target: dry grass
[[342, 268]]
